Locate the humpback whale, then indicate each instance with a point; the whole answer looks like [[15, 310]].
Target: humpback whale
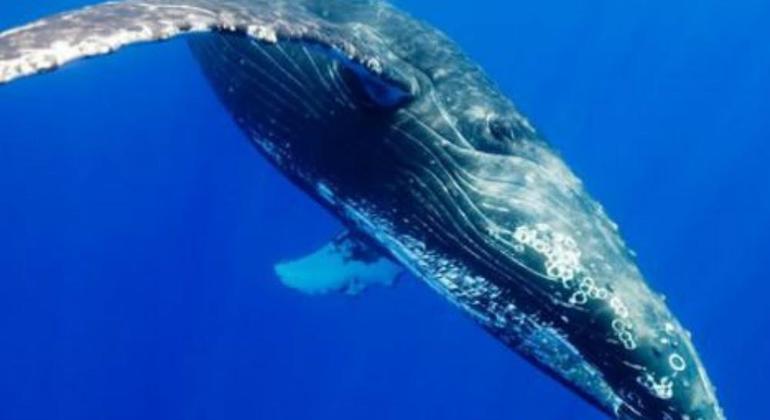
[[384, 121]]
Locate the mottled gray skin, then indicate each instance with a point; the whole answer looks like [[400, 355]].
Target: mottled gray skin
[[387, 123]]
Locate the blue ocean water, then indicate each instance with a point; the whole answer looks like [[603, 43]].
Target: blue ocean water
[[138, 228]]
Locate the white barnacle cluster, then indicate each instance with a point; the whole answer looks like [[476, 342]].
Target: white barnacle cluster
[[374, 65], [623, 332], [587, 289], [562, 261], [562, 264], [662, 388], [622, 325], [262, 33], [560, 251]]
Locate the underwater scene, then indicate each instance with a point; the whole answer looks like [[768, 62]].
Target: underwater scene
[[352, 209]]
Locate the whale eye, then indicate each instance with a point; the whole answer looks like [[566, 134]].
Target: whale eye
[[501, 134], [508, 130], [500, 129]]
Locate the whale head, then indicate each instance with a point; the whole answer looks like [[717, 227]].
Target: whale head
[[410, 143]]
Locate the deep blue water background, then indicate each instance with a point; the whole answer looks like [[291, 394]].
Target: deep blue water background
[[138, 228]]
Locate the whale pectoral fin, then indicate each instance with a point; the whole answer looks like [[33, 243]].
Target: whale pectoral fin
[[49, 43], [344, 265]]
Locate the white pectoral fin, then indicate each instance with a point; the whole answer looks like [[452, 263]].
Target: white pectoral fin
[[344, 265], [49, 43]]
